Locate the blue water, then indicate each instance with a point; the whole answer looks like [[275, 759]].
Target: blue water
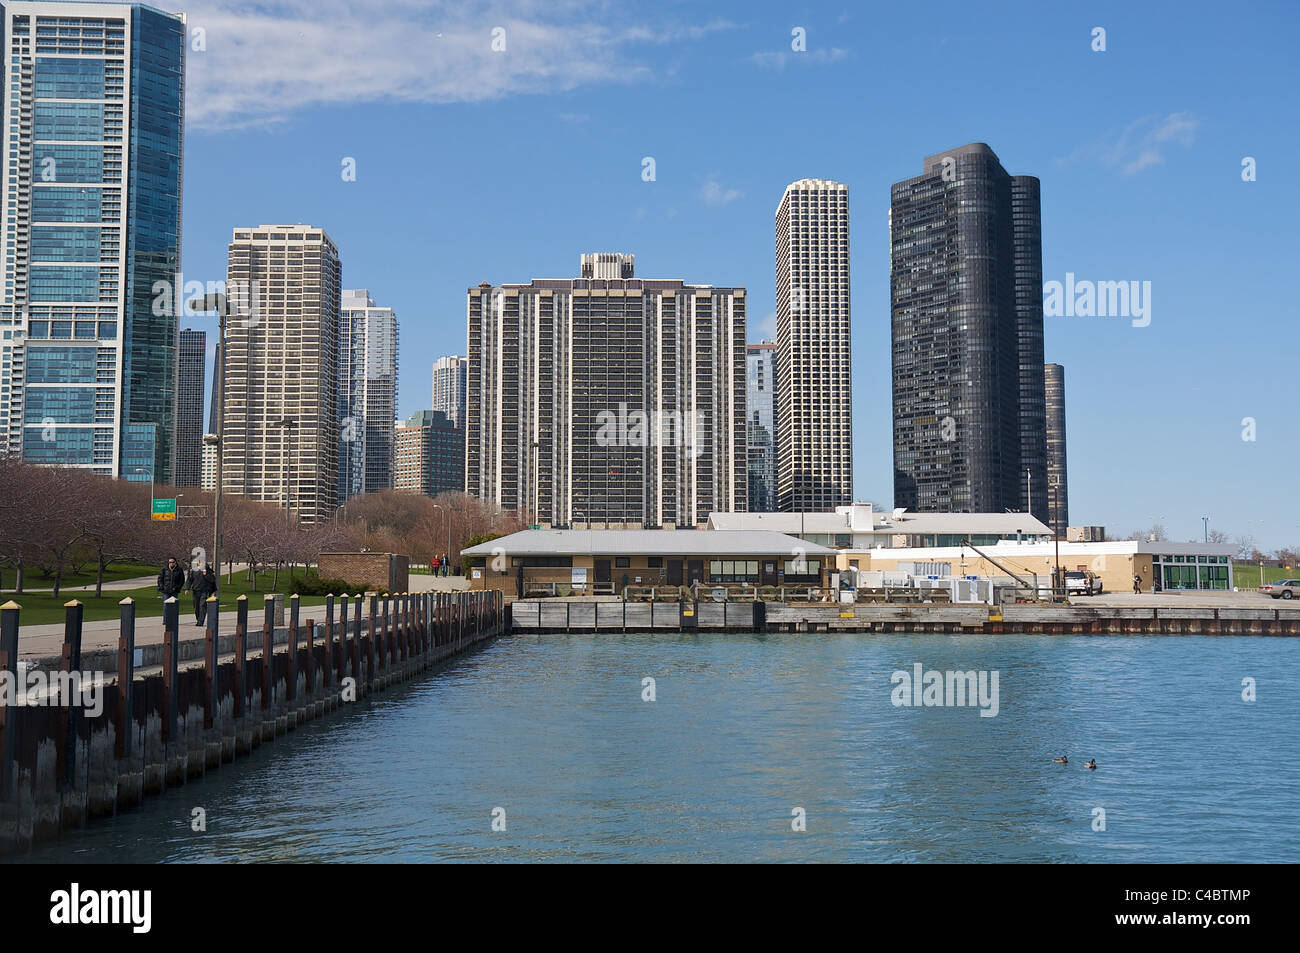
[[745, 729]]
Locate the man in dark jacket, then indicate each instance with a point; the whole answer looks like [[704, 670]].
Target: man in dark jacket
[[171, 581], [201, 584]]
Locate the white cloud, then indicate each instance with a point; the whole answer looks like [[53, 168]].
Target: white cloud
[[1142, 144], [714, 193], [264, 62]]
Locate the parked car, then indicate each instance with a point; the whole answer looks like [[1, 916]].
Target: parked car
[[1082, 582], [1282, 589]]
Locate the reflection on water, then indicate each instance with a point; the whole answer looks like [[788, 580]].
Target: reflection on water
[[745, 729]]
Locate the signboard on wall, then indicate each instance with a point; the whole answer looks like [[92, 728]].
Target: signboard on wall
[[579, 575]]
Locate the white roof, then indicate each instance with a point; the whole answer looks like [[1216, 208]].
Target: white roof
[[973, 524], [647, 542]]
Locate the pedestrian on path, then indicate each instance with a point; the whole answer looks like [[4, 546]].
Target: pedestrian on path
[[201, 584], [1137, 584], [171, 581]]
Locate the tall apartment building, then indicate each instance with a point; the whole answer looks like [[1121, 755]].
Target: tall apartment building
[[760, 366], [814, 379], [607, 400], [367, 394], [430, 454], [450, 387], [967, 327], [189, 408], [93, 119], [281, 437], [1058, 495]]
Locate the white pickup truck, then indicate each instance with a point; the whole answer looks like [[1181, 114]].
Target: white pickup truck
[[1083, 582]]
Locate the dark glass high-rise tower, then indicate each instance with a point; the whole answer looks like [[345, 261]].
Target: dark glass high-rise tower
[[967, 328], [93, 117], [189, 407]]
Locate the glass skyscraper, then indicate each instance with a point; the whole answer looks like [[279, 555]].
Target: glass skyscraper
[[367, 395], [189, 408], [760, 364], [93, 125], [967, 334]]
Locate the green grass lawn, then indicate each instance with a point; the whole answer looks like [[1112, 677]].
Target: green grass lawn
[[39, 608], [32, 579], [1246, 575]]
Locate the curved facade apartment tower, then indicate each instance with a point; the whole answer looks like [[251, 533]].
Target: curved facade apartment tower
[[1058, 496], [814, 379], [967, 338]]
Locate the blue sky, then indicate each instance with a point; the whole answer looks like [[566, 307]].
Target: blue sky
[[479, 165]]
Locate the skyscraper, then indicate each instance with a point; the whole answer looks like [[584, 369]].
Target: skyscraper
[[1058, 496], [92, 124], [450, 383], [967, 327], [607, 399], [281, 439], [430, 454], [189, 408], [814, 380], [367, 394], [760, 362]]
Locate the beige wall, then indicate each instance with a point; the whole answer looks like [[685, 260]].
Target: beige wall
[[1116, 570]]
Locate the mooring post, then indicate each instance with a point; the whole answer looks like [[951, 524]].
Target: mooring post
[[311, 657], [268, 646], [125, 677], [291, 689], [385, 639], [171, 665], [210, 658], [70, 708], [344, 657], [8, 664], [241, 655], [374, 634], [356, 643], [329, 640]]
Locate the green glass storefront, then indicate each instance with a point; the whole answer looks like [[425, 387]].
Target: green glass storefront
[[1193, 572]]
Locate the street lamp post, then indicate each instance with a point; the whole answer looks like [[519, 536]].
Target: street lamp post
[[286, 425], [221, 305], [150, 472], [1206, 521], [447, 517]]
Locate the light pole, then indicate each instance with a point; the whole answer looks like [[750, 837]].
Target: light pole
[[286, 425], [447, 517], [1029, 490], [221, 305], [1206, 521], [150, 472]]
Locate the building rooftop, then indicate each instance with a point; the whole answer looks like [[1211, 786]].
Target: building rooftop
[[646, 542], [855, 520]]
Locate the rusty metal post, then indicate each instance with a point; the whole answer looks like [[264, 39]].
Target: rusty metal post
[[356, 643], [311, 657], [70, 708], [241, 655], [329, 640], [291, 686], [8, 663], [344, 657], [171, 665], [125, 677], [375, 650], [268, 647], [211, 657], [384, 618]]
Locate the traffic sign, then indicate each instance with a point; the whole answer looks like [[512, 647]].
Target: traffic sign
[[164, 510]]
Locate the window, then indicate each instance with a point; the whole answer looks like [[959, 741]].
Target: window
[[622, 562], [654, 562]]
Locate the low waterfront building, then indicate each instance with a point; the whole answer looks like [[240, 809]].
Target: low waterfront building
[[1169, 566], [606, 561], [861, 526], [1085, 534]]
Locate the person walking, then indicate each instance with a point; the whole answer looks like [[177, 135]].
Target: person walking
[[437, 565], [171, 581], [1137, 584], [202, 583]]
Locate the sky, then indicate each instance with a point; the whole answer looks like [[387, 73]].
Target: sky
[[501, 165]]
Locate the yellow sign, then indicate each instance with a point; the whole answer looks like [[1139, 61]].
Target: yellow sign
[[846, 613], [995, 616]]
